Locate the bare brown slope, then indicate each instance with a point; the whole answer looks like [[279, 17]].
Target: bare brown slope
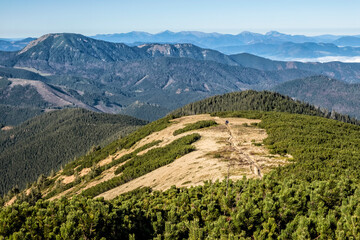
[[217, 156], [51, 95]]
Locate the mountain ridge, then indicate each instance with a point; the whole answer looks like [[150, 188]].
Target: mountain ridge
[[235, 43], [271, 44], [169, 50], [243, 37], [172, 74]]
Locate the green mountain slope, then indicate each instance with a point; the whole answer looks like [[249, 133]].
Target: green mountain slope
[[26, 90], [173, 82], [325, 92], [21, 95], [46, 142], [316, 195], [34, 93], [19, 104], [20, 73]]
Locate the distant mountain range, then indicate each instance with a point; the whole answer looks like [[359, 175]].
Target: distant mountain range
[[348, 41], [272, 45], [14, 45], [291, 50], [347, 72], [146, 81], [214, 40]]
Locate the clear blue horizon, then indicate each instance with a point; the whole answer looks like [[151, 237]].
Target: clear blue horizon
[[24, 18]]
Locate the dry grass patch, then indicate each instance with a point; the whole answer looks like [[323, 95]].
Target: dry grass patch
[[211, 159]]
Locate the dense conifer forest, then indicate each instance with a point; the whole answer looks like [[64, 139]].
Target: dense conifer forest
[[11, 115], [261, 101], [51, 140]]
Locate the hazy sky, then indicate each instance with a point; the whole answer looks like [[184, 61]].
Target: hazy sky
[[22, 18]]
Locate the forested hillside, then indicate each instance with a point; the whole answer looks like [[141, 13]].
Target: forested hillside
[[20, 73], [24, 94], [49, 141], [261, 101], [11, 115]]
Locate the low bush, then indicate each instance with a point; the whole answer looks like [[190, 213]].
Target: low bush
[[194, 126], [140, 165]]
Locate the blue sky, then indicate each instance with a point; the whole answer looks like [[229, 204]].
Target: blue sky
[[22, 18]]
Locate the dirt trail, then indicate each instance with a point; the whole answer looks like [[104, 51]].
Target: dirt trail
[[255, 168]]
